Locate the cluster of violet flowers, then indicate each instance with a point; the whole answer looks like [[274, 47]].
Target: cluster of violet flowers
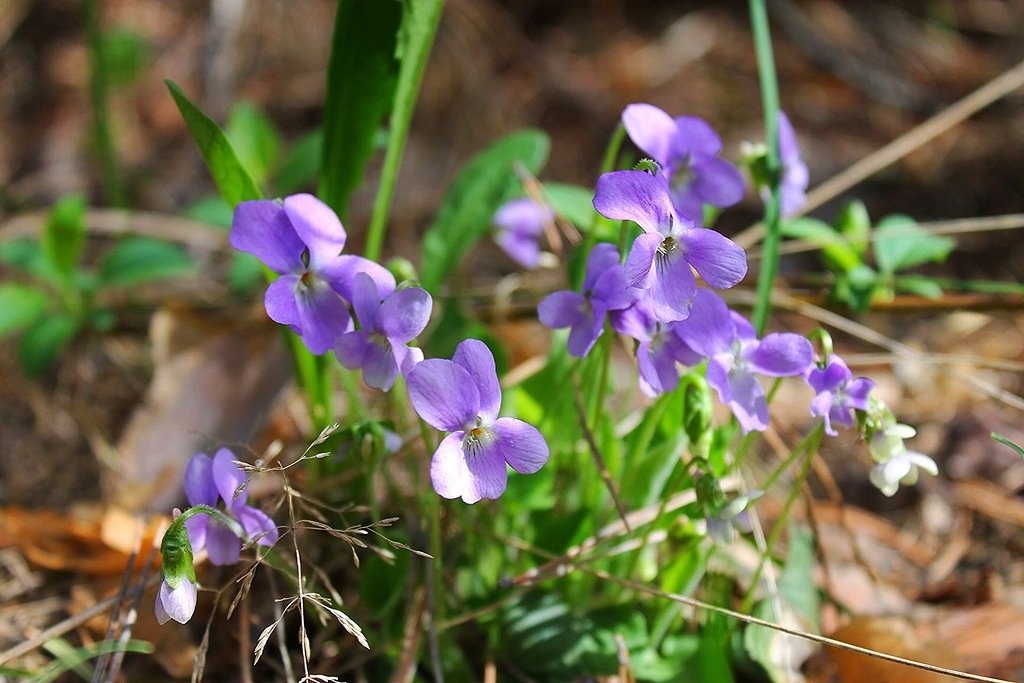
[[652, 295], [218, 520], [353, 305]]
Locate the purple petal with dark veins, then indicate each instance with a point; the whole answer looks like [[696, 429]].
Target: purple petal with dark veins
[[640, 262], [673, 288]]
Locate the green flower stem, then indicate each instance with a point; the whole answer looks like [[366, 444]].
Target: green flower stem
[[98, 88], [416, 36], [608, 163], [809, 448], [770, 103], [228, 522]]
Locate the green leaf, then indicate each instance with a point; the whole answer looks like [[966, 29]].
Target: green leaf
[[416, 32], [919, 285], [255, 140], [899, 243], [135, 260], [43, 342], [300, 167], [839, 255], [796, 585], [361, 79], [854, 224], [575, 203], [20, 306], [484, 184], [64, 235], [212, 210], [73, 658], [232, 179], [1006, 442], [124, 54]]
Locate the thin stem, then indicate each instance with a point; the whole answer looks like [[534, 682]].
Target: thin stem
[[770, 103], [608, 163], [810, 445], [419, 26], [98, 88]]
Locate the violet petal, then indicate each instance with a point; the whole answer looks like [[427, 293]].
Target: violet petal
[[635, 196], [781, 354], [650, 129], [262, 228], [521, 445], [317, 226], [476, 358], [444, 394], [448, 471], [404, 314], [717, 259], [199, 485]]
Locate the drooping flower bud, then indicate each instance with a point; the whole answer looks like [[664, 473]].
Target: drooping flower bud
[[176, 598]]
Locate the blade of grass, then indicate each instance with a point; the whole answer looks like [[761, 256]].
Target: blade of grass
[[415, 38], [361, 78], [770, 103]]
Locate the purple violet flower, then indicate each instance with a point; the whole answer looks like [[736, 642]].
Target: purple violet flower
[[386, 325], [206, 480], [301, 239], [795, 177], [520, 224], [735, 354], [659, 347], [604, 289], [661, 259], [837, 393], [687, 150], [176, 603], [462, 396]]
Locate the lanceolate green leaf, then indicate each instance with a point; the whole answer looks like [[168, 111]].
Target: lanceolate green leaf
[[361, 79], [232, 179], [43, 341], [488, 180], [135, 260], [415, 38], [20, 306], [64, 235]]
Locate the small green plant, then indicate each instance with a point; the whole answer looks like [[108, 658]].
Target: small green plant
[[897, 244], [59, 295]]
